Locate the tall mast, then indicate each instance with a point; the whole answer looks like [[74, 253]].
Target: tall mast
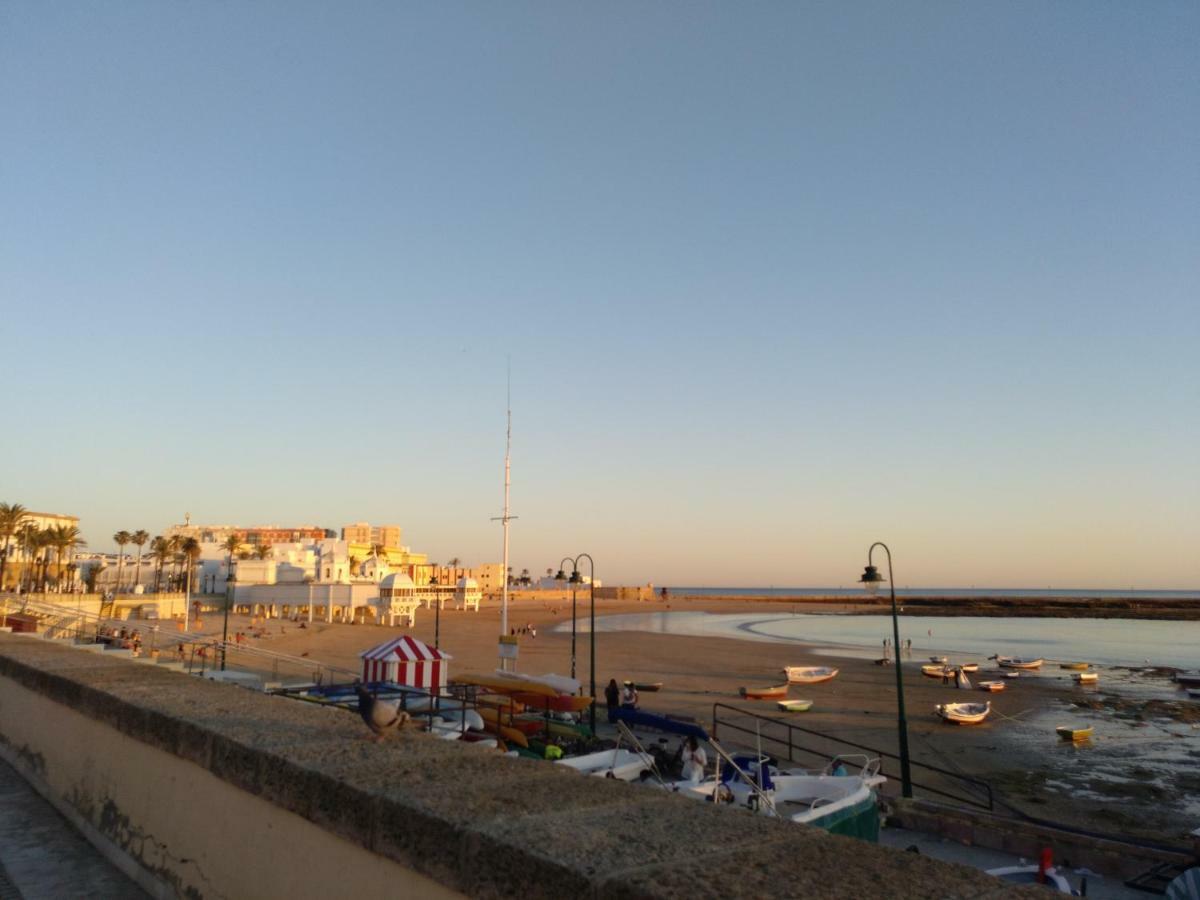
[[507, 644]]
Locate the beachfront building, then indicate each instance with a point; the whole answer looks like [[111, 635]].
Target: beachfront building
[[25, 562], [386, 536]]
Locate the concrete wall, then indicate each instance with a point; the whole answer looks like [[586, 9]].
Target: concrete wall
[[209, 790]]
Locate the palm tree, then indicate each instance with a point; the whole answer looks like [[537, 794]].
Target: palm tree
[[525, 579], [262, 551], [64, 539], [12, 517], [158, 548], [190, 548], [138, 538], [231, 545], [122, 538], [29, 537]]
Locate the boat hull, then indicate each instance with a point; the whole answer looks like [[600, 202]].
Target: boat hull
[[809, 674], [1073, 734], [963, 713], [779, 692], [795, 705]]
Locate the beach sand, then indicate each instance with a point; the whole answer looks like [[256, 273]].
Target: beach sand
[[1016, 751]]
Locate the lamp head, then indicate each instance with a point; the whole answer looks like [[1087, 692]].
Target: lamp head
[[871, 579], [575, 578], [560, 575]]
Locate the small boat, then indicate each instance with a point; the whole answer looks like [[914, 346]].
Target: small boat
[[1010, 674], [1029, 875], [884, 661], [1015, 662], [934, 671], [1194, 693], [1085, 677], [1073, 665], [652, 686], [795, 705], [1187, 680], [939, 660], [621, 764], [963, 713], [809, 674], [1067, 733], [992, 686], [970, 667], [776, 692]]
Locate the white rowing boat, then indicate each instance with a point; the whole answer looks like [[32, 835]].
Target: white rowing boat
[[963, 713], [809, 674]]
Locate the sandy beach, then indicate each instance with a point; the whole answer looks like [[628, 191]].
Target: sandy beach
[[1104, 785]]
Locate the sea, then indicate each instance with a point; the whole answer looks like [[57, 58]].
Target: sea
[[857, 591]]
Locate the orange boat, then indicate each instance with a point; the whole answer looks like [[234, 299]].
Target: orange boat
[[778, 692]]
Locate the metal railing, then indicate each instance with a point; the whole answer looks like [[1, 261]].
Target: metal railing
[[970, 791]]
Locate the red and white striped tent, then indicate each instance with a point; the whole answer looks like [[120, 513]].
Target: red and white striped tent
[[405, 660]]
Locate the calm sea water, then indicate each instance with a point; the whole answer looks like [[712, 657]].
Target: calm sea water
[[857, 591], [1101, 641]]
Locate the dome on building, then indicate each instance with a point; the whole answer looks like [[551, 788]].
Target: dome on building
[[397, 581]]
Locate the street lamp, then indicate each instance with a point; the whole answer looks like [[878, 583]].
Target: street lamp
[[871, 579], [230, 593], [577, 579], [437, 614], [561, 576]]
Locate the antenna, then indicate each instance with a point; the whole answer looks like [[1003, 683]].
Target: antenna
[[506, 518]]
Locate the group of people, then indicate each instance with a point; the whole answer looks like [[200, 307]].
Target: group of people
[[123, 638], [528, 628], [624, 697]]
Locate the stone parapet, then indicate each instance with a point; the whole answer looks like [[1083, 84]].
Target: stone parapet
[[299, 785]]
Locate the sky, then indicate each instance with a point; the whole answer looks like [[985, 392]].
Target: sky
[[774, 280]]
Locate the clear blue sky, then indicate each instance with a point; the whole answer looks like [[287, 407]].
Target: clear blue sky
[[777, 280]]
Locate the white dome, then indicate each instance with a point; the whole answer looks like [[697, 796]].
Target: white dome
[[396, 581]]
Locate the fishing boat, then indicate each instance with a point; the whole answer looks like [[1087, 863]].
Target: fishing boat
[[621, 764], [1073, 665], [1187, 680], [776, 692], [809, 674], [934, 671], [1085, 677], [1029, 875], [651, 686], [795, 705], [970, 667], [1070, 733], [939, 660], [841, 804], [1015, 662], [963, 713], [992, 686]]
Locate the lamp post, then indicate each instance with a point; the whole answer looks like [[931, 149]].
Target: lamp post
[[871, 579], [561, 576], [576, 579], [437, 614], [230, 592]]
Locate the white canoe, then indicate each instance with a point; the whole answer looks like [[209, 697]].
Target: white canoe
[[963, 713], [809, 674], [1015, 662], [932, 671], [1085, 677], [794, 705]]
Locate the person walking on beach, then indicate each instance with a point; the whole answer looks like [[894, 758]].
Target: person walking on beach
[[629, 696], [612, 697]]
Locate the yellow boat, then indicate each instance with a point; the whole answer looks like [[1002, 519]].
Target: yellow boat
[[1067, 733], [1074, 665], [506, 684]]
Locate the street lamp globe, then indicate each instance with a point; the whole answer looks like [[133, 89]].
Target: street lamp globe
[[871, 580]]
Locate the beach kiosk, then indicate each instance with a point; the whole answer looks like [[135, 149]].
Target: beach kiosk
[[405, 660], [398, 599], [467, 594]]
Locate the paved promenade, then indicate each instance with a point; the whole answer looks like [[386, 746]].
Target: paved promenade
[[42, 857]]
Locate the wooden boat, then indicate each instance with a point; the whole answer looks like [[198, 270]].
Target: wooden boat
[[992, 686], [652, 686], [1015, 662], [1068, 733], [1085, 677], [934, 671], [963, 713], [938, 660], [777, 692], [809, 674], [1073, 665], [795, 705], [970, 667], [1187, 680]]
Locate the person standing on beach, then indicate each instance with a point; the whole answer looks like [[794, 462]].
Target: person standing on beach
[[612, 697], [629, 696]]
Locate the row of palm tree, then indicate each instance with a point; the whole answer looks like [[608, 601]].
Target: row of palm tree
[[36, 545]]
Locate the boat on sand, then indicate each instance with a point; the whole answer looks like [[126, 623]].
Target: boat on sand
[[963, 713], [932, 671], [795, 705], [809, 674], [1016, 662], [1071, 733], [1073, 665], [970, 667], [776, 692], [992, 686], [1085, 677]]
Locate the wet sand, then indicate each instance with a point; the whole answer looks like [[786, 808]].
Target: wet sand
[[1097, 785]]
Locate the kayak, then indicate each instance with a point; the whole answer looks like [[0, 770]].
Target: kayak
[[561, 703], [507, 684]]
